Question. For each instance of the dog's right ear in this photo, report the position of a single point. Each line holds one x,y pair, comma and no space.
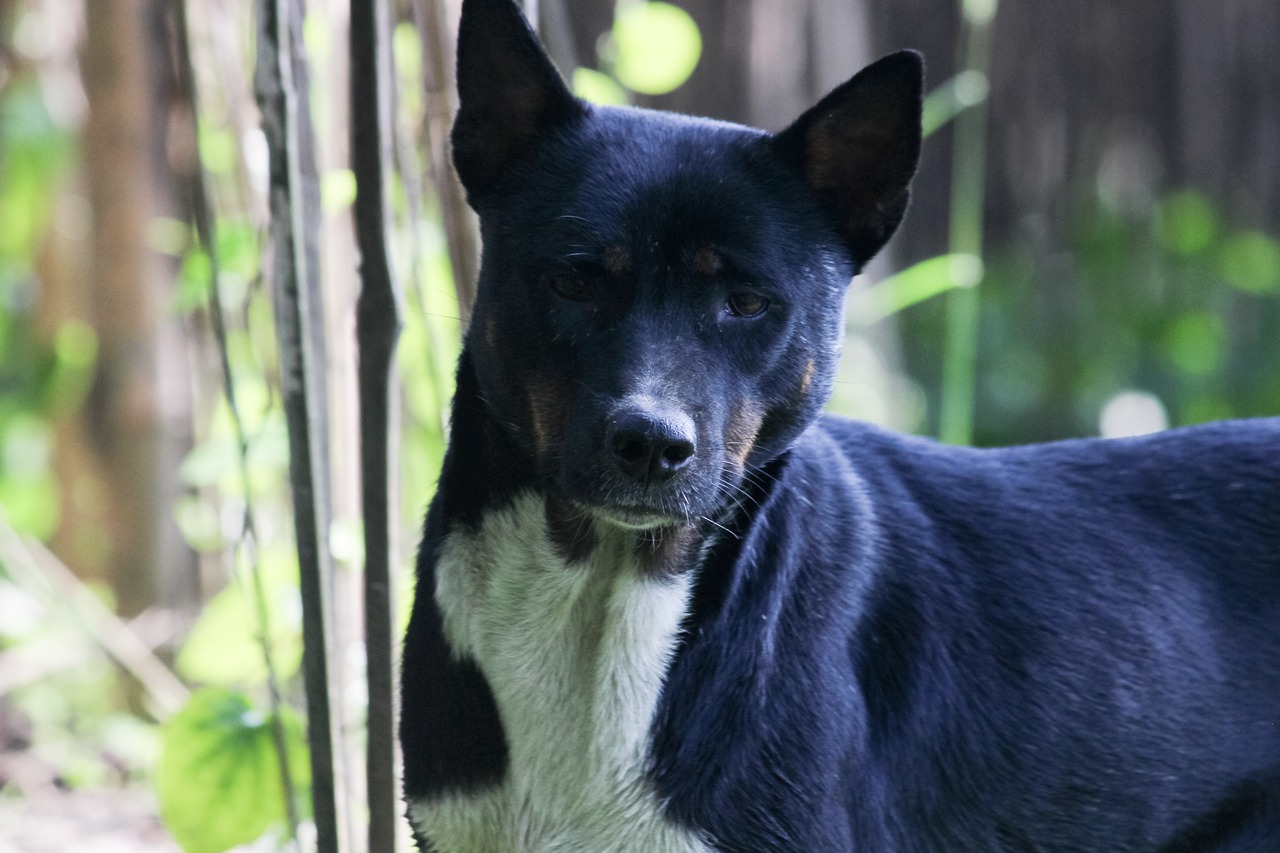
509,93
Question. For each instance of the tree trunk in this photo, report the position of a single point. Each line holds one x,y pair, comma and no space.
137,416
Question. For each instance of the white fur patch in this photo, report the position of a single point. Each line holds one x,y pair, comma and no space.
575,656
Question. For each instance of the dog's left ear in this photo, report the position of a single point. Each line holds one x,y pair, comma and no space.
858,149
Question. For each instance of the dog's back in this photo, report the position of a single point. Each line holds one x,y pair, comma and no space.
1073,646
665,606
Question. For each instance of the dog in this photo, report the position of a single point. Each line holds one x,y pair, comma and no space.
666,605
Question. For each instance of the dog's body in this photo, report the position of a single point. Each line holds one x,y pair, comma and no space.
664,605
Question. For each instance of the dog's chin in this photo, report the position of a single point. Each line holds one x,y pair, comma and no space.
614,502
636,514
635,519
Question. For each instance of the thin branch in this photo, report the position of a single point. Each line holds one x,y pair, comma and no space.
40,573
282,89
206,225
33,662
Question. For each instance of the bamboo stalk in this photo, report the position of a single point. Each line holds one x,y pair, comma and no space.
378,324
968,184
280,83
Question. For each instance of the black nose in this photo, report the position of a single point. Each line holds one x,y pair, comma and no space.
651,446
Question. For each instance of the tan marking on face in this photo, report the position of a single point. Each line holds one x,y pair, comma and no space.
741,431
708,262
616,261
807,379
548,408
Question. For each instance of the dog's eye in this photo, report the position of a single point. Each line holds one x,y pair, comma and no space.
746,304
572,285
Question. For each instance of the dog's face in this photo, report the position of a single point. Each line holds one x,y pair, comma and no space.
659,311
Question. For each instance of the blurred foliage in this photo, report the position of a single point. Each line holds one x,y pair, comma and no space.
37,376
654,46
915,284
224,647
651,49
236,800
60,683
1172,300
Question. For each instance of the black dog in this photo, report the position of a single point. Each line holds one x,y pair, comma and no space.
664,604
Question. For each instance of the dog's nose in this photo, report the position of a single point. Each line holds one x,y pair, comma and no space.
651,446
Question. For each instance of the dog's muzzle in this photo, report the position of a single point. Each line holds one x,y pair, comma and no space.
651,446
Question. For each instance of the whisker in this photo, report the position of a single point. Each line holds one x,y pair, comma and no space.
712,521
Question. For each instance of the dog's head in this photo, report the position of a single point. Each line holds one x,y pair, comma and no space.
660,302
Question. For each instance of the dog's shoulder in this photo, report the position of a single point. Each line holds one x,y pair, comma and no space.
948,577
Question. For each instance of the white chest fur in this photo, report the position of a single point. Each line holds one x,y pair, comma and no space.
575,656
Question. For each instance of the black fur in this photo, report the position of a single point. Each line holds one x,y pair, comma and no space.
892,645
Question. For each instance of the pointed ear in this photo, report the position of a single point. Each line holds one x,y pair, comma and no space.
858,149
509,93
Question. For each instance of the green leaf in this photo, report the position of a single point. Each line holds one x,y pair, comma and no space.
657,47
38,150
192,291
31,504
337,190
209,462
1251,261
406,53
75,349
915,284
28,490
1206,408
597,88
169,236
1186,223
198,522
1196,342
224,648
406,47
218,781
76,344
318,38
239,250
218,150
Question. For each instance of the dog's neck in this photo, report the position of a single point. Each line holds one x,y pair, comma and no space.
575,653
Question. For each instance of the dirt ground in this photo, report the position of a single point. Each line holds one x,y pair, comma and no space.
104,821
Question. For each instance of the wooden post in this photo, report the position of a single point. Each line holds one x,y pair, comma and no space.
377,329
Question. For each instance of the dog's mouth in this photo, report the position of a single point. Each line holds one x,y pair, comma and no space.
636,518
617,502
